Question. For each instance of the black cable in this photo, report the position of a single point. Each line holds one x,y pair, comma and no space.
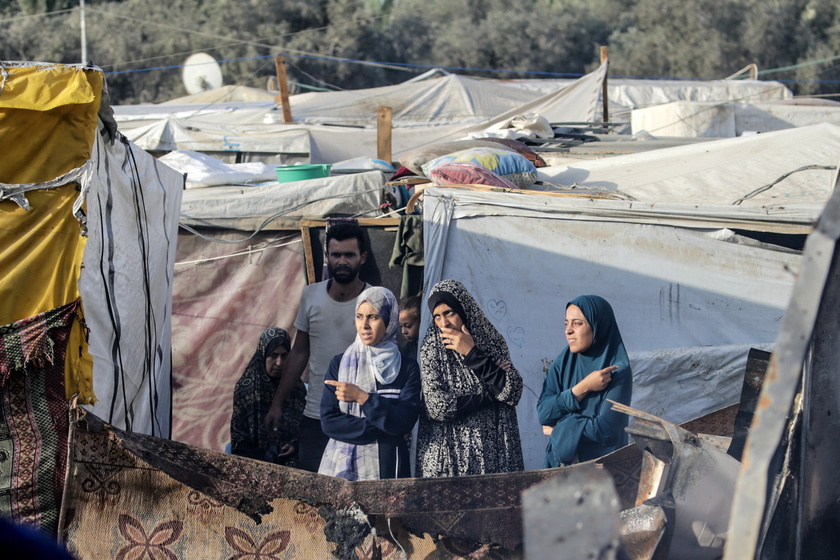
760,190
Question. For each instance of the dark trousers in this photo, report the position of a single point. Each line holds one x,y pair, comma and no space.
311,444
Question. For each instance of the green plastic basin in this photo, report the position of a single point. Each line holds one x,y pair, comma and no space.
289,173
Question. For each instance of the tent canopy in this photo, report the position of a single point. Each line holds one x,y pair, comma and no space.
690,299
786,176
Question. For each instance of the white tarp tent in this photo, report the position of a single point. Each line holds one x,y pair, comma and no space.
780,178
205,135
422,113
335,126
732,118
628,94
690,300
281,205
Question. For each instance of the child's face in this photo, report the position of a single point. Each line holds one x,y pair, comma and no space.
409,326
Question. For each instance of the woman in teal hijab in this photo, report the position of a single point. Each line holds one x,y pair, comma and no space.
572,407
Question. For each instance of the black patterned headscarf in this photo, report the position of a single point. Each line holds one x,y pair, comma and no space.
254,393
448,365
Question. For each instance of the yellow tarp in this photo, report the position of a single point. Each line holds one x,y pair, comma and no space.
40,145
44,88
48,119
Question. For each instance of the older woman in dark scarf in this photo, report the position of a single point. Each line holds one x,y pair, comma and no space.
470,391
593,368
252,398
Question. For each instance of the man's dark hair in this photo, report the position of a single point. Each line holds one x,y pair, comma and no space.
341,232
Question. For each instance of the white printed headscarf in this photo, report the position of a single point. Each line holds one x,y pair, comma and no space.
363,366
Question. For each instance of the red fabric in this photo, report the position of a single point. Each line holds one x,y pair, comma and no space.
466,173
403,172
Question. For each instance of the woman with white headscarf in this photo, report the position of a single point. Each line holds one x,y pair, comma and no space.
372,397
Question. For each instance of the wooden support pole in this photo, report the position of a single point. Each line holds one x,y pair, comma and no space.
605,58
383,134
283,84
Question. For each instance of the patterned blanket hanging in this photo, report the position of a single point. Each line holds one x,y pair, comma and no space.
33,417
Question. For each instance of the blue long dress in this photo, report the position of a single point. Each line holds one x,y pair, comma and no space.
590,428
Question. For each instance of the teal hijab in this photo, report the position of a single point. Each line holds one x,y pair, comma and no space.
607,347
589,428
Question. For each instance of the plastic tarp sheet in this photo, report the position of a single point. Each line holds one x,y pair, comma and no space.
445,100
422,113
206,171
224,296
627,94
697,119
44,87
216,133
132,204
453,98
689,301
48,120
734,174
282,205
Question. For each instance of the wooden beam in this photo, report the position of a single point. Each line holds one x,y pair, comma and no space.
383,134
605,58
283,84
308,258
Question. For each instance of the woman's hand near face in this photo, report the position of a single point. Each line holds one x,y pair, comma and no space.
596,381
287,450
459,340
347,392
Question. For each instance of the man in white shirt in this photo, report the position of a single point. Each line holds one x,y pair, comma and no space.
325,327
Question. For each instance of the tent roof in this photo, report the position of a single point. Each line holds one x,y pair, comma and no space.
788,174
445,99
225,94
281,205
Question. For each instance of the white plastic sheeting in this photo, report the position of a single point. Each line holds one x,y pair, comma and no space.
422,112
729,119
206,171
282,205
722,173
446,100
689,304
132,204
627,94
215,132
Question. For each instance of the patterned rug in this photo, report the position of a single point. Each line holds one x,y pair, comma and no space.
132,495
131,492
33,417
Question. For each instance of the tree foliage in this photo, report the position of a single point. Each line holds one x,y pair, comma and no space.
340,43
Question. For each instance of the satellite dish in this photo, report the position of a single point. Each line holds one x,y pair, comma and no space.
201,72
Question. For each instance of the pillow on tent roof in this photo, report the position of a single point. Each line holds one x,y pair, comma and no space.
467,173
519,148
510,165
418,157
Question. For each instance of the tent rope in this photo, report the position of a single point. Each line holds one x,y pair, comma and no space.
760,190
